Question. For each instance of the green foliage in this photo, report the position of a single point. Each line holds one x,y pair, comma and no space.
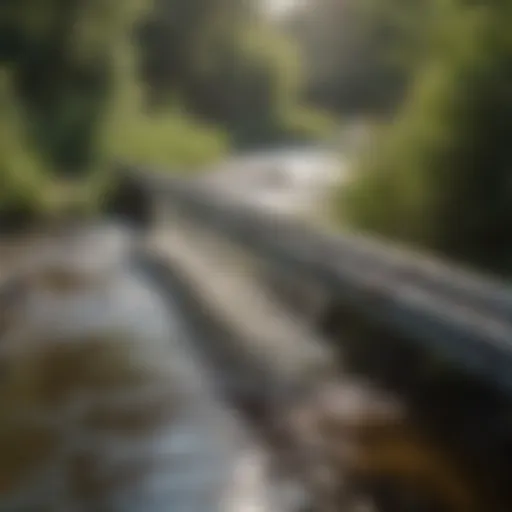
227,66
359,54
442,178
61,72
169,141
303,124
21,178
75,102
166,137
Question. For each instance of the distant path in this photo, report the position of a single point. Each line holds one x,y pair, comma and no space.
293,181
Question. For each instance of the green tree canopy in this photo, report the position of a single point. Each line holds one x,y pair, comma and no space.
226,63
442,177
359,54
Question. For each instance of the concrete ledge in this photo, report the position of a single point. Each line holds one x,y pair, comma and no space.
225,282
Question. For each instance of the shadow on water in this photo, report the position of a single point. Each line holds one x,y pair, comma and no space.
457,442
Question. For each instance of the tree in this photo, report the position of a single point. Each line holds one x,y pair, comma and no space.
60,53
442,178
21,178
227,65
359,53
72,65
